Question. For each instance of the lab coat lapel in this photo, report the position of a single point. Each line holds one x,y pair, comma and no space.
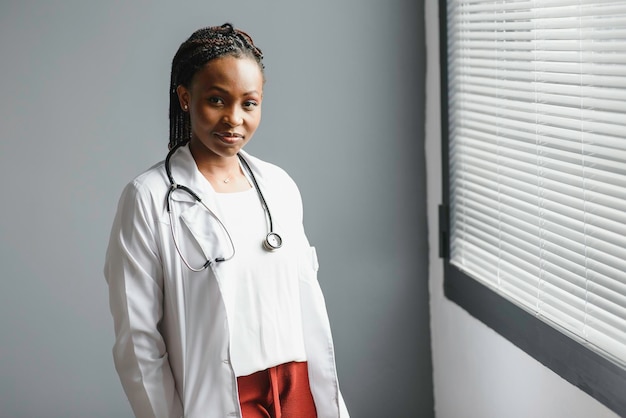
185,172
205,229
268,192
274,190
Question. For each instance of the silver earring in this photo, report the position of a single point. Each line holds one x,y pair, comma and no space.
186,108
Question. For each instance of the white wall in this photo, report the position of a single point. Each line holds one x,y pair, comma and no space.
477,373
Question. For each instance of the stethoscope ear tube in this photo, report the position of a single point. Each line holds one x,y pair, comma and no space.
168,167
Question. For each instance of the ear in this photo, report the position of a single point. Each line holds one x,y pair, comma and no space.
184,98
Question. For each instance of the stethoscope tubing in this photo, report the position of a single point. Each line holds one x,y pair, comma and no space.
272,241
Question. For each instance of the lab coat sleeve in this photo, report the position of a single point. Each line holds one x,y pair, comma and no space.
134,274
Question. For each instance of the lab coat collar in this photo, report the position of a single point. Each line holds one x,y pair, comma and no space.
185,172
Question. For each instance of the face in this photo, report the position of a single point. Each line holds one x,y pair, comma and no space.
224,104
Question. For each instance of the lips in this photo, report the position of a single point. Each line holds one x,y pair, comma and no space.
229,137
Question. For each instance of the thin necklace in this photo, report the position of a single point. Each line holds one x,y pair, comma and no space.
225,180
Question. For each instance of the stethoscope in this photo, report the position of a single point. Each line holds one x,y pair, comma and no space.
272,241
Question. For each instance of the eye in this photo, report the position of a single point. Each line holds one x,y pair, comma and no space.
214,100
250,104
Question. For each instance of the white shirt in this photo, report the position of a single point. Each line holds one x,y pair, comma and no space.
261,294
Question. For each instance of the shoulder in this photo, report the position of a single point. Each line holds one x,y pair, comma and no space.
279,189
151,178
148,187
269,173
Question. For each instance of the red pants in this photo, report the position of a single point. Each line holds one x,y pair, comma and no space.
278,392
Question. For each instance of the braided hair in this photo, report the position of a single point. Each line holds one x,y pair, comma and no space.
203,46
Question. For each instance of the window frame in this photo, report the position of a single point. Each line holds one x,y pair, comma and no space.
592,373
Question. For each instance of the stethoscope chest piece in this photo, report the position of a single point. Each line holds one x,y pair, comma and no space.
272,241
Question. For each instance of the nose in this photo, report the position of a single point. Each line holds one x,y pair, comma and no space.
232,116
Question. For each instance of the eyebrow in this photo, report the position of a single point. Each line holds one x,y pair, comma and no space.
225,91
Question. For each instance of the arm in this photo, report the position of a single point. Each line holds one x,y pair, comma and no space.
134,274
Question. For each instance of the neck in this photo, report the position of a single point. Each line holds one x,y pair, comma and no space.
223,172
212,163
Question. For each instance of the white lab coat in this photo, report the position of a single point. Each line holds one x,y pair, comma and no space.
171,346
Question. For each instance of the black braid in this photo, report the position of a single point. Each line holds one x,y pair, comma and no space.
201,47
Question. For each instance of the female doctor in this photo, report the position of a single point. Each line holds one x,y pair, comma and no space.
212,282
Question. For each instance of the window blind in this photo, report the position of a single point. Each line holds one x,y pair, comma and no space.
537,113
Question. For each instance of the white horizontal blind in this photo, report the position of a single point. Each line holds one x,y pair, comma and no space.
537,111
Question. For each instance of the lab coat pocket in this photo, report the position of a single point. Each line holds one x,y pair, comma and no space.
308,265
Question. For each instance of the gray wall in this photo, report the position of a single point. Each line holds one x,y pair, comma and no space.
83,102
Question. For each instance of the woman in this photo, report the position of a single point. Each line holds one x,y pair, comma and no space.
212,282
